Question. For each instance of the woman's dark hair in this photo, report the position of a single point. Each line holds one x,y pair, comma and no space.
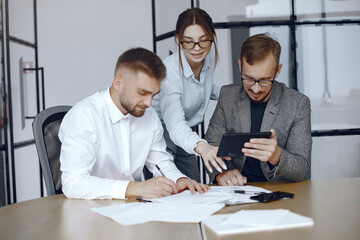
197,16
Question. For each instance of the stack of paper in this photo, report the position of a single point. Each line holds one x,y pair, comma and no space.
182,207
135,213
216,194
255,220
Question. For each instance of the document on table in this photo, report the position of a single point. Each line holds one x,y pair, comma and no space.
216,194
181,207
134,213
255,220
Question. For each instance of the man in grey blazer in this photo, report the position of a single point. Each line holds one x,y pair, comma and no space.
260,104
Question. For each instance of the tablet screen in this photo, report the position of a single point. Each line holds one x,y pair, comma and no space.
232,143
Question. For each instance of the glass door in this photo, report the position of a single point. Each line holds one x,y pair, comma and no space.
19,166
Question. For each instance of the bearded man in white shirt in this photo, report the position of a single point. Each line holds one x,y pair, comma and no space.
107,138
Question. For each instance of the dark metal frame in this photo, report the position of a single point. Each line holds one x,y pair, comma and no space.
292,23
6,147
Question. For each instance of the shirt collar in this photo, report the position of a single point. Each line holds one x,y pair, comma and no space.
114,113
187,69
208,60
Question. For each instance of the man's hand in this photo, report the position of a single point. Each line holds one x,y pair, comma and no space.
231,178
263,149
208,154
192,185
152,188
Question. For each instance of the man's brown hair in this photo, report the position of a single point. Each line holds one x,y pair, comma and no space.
257,47
142,60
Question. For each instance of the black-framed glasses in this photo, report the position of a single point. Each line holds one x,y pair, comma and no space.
190,44
263,83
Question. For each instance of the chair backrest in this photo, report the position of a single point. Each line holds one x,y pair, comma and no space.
45,128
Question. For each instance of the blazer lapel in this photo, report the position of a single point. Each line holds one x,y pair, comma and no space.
269,116
271,109
244,112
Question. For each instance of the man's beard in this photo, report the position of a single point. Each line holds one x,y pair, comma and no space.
130,109
262,100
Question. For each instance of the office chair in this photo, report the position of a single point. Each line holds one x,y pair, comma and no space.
45,129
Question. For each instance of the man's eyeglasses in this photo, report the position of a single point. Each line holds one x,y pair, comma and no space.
190,44
263,83
250,82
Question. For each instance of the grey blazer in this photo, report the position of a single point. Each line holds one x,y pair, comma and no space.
287,112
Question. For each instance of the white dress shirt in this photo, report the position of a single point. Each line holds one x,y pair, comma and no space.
103,150
183,100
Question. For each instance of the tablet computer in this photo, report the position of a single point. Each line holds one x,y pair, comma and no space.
232,143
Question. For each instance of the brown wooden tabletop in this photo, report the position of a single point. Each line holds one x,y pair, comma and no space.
333,204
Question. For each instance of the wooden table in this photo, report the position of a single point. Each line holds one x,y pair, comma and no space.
333,204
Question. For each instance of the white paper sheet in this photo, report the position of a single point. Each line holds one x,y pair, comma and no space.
182,207
134,213
216,194
223,224
256,217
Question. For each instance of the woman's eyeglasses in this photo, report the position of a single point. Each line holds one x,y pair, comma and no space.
190,44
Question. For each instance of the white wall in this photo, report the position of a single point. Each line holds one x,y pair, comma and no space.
80,41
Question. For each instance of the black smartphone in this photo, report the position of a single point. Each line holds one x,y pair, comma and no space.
269,197
232,143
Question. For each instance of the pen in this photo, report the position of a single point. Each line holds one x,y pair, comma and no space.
142,200
162,174
247,192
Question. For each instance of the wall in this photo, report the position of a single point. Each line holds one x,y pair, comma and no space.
80,41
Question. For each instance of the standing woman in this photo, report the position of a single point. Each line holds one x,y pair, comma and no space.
186,92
